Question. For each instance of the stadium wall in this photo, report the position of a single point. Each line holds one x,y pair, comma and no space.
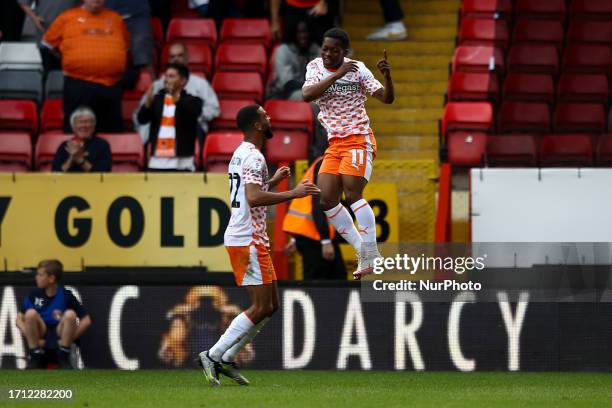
329,327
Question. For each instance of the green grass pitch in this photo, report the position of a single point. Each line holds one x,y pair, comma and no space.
186,388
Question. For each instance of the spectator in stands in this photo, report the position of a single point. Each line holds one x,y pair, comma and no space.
85,152
137,17
394,28
196,86
216,9
290,60
321,13
173,115
312,236
93,42
48,317
40,14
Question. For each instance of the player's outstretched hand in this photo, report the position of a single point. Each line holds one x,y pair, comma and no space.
383,65
282,173
306,188
346,67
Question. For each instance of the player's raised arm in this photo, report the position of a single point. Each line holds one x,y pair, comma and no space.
385,94
257,197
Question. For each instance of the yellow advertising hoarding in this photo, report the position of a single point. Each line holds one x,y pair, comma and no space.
114,219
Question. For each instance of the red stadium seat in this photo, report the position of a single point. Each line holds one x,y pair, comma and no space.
200,57
535,59
470,58
238,85
580,117
467,116
128,107
539,31
591,9
484,32
524,117
294,115
569,150
241,57
287,146
590,31
583,88
15,151
512,150
219,148
18,114
529,88
588,59
127,151
145,79
229,110
466,149
52,115
541,9
604,150
473,86
46,147
180,9
271,65
498,9
246,31
201,31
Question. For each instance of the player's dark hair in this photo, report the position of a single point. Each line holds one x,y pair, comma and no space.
52,267
246,117
339,35
182,70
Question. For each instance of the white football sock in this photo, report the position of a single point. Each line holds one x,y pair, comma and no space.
340,218
236,330
230,355
366,220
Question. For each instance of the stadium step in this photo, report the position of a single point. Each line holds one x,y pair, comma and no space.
374,20
359,32
403,48
404,114
418,101
406,128
403,61
406,143
416,75
406,155
410,7
419,89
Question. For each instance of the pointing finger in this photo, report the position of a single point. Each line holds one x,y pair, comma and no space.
385,54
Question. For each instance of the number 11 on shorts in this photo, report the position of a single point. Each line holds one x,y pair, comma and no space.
357,157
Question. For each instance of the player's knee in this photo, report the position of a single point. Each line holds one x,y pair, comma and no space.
352,196
273,308
31,315
327,203
69,315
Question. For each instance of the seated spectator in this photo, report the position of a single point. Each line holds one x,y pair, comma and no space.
196,86
137,17
93,42
40,14
48,318
85,152
173,115
290,61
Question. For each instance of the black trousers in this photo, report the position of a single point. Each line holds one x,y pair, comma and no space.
315,267
105,101
392,10
293,15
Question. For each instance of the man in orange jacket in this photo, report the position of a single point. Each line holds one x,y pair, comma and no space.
313,237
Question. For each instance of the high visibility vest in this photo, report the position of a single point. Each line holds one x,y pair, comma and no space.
299,218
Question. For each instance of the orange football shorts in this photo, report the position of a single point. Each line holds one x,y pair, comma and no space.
252,264
351,155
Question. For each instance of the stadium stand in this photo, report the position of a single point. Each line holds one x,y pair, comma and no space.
533,58
512,150
241,57
541,9
484,32
246,31
19,115
229,110
470,58
473,86
287,146
54,85
52,115
192,31
529,88
487,9
583,88
579,117
127,150
238,85
290,115
566,150
523,117
200,58
539,31
219,148
21,85
17,56
15,151
589,32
